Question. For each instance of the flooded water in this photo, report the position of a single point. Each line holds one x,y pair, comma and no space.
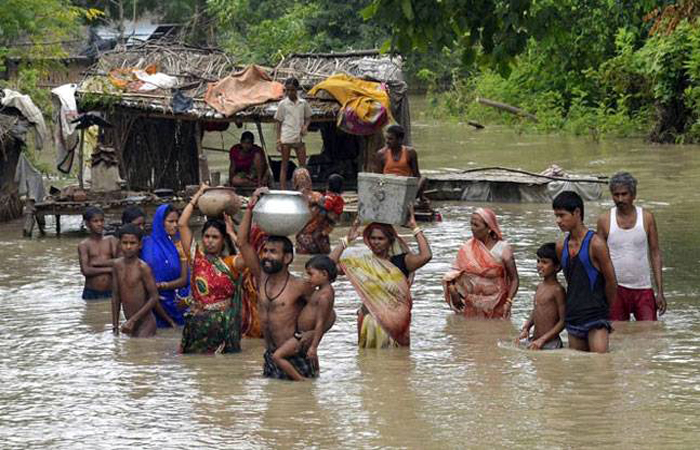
67,382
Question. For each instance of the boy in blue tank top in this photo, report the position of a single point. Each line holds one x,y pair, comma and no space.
590,277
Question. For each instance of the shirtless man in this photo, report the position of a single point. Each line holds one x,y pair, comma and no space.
591,285
631,234
281,295
96,255
550,304
315,319
397,159
134,288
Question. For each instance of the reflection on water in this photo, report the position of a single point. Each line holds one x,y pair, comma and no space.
66,381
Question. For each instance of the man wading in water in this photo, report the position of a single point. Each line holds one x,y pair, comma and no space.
631,234
281,295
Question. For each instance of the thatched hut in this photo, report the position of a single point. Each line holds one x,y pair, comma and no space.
10,148
161,148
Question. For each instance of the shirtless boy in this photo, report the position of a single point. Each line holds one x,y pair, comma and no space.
591,283
315,319
96,255
550,302
134,287
281,295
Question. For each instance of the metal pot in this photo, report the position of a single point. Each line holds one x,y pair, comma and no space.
217,200
282,213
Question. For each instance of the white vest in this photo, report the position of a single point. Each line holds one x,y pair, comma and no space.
629,251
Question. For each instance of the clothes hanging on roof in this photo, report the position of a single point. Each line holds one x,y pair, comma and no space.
30,111
154,81
252,86
366,105
28,179
66,138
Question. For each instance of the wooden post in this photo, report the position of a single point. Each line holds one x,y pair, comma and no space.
204,176
80,158
58,225
270,175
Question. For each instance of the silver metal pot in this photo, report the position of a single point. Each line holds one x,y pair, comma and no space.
282,213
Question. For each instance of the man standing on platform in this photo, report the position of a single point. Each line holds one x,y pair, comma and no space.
293,118
632,237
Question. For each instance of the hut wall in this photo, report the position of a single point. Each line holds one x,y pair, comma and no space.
10,205
154,153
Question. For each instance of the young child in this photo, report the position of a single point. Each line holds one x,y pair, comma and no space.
134,288
550,301
293,117
332,201
315,319
590,277
96,255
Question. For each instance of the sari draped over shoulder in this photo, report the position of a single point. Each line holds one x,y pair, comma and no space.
384,320
161,254
479,279
213,324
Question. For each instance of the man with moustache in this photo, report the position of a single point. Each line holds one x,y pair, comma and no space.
281,295
632,237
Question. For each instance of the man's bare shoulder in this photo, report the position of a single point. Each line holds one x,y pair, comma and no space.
649,218
144,267
598,243
89,241
119,263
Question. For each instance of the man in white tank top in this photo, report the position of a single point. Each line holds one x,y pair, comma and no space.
634,246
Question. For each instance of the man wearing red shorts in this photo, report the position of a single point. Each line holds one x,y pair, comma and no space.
633,240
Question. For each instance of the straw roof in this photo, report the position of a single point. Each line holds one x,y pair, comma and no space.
196,67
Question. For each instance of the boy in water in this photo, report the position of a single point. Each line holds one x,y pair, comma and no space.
550,302
134,287
591,284
315,319
96,255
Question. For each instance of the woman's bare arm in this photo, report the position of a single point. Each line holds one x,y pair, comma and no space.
184,221
415,261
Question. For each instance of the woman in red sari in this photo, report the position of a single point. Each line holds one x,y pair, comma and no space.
382,278
213,324
484,279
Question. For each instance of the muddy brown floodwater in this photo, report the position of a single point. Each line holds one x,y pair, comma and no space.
66,382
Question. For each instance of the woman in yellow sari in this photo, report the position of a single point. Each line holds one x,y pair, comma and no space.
382,277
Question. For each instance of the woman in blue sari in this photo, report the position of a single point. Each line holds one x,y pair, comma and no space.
169,265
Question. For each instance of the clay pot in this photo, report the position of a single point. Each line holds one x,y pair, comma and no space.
282,213
217,200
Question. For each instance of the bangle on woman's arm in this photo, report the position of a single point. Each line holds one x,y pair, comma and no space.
345,242
417,230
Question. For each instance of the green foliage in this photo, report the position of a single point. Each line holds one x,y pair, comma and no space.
596,72
265,31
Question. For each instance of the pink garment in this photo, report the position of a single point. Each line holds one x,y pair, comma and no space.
490,218
236,92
